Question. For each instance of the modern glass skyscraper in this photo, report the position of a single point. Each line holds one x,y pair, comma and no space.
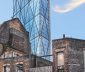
34,15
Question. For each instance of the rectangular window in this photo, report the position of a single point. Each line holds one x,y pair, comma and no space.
6,68
60,58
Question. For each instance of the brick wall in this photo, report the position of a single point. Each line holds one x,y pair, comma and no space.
41,69
73,54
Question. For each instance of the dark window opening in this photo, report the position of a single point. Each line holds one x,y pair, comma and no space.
6,69
20,68
60,70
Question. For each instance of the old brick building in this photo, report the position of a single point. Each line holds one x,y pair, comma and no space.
15,50
16,56
14,47
68,55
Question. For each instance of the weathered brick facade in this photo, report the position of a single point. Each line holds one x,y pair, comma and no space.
14,46
73,54
15,50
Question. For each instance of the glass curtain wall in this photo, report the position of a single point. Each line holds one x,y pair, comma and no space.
34,15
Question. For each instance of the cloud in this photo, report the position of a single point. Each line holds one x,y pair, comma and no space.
69,7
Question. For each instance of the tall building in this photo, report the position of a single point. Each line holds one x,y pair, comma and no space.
34,15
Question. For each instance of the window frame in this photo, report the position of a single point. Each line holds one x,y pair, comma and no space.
63,59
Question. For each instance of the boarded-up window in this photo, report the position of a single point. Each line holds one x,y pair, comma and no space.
60,58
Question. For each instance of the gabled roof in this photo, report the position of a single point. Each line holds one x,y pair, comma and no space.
13,33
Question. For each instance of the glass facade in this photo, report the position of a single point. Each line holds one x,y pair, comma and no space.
34,15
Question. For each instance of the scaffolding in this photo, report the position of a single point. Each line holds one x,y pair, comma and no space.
34,15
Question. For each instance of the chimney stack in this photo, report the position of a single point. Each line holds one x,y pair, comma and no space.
63,35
